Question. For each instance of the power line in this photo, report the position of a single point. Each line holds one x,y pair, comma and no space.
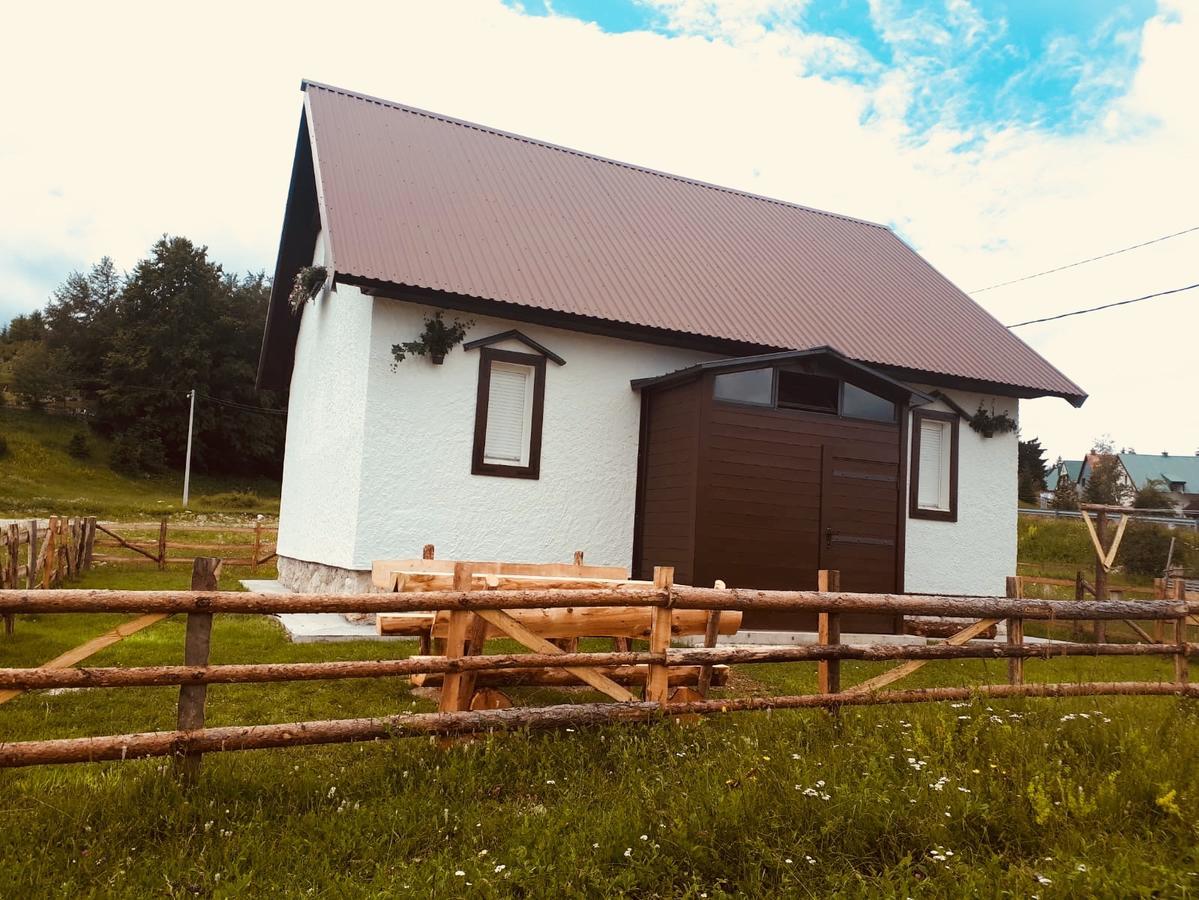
1079,312
1084,261
244,407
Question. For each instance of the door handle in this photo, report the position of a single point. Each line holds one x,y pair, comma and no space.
828,538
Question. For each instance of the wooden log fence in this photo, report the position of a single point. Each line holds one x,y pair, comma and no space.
157,542
36,557
193,738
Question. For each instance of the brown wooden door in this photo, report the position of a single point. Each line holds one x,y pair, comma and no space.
859,523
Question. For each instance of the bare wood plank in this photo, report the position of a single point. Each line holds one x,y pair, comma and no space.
657,685
591,676
968,633
381,570
92,647
455,643
1110,559
565,623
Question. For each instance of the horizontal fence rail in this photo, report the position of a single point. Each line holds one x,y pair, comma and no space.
81,600
261,673
336,731
476,608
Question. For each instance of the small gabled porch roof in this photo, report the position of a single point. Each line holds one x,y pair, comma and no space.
863,375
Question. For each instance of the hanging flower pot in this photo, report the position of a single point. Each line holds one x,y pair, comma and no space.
305,286
435,341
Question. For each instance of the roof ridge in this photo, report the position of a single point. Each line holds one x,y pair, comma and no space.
441,117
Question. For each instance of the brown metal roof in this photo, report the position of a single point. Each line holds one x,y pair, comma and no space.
422,200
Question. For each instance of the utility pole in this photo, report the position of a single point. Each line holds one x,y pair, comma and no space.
187,466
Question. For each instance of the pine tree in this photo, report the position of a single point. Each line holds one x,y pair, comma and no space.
1105,484
1031,470
1065,495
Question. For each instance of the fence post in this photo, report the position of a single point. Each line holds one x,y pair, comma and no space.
1182,671
31,564
49,553
828,671
1100,625
162,543
12,542
1015,634
455,643
711,637
89,541
1159,625
657,680
197,642
428,551
68,543
257,546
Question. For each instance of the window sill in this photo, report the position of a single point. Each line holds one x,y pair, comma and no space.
500,471
935,515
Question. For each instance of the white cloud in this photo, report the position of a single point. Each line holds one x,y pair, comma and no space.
140,120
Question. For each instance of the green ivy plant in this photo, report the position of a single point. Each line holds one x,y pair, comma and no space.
435,341
989,424
306,285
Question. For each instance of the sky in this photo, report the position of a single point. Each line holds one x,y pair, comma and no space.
998,137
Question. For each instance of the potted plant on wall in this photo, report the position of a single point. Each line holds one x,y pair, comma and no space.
989,424
306,285
437,339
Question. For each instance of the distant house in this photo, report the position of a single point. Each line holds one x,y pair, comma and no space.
1177,475
656,370
1066,469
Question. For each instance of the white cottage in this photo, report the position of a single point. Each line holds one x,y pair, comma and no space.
655,370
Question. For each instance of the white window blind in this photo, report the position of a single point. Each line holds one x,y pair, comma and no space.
934,465
509,412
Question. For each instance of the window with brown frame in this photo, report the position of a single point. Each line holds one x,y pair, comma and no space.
508,413
934,491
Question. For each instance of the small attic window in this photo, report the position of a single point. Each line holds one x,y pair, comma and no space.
754,386
802,390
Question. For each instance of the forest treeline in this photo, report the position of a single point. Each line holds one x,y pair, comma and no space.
128,347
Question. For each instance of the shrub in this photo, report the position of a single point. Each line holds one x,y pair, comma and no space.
1054,541
136,454
78,446
233,500
3,447
1145,548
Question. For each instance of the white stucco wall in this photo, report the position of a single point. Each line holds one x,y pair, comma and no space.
975,554
417,486
378,461
322,465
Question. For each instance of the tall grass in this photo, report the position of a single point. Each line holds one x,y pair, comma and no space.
1078,797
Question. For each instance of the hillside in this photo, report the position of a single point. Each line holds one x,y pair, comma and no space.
38,475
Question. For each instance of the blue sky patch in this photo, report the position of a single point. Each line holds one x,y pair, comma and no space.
974,65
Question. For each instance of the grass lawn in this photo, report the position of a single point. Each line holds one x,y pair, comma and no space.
39,477
1020,798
